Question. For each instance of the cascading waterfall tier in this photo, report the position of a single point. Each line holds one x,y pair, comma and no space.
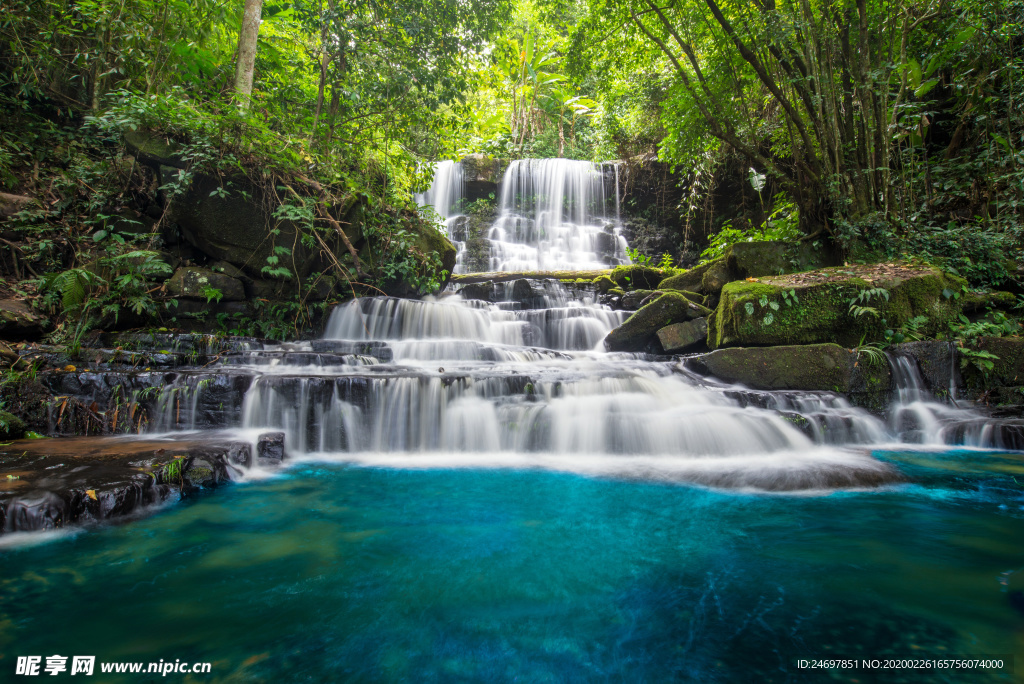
553,214
449,382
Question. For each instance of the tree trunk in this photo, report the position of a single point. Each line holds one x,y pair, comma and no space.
247,52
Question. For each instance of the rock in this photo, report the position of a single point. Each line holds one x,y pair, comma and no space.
481,176
154,149
605,245
679,337
11,427
235,228
481,291
193,282
691,280
637,277
978,302
756,259
757,313
715,277
631,301
812,367
270,448
51,483
12,204
640,329
749,260
936,360
460,228
1008,368
603,284
19,322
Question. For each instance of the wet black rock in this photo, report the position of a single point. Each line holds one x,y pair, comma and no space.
53,483
270,448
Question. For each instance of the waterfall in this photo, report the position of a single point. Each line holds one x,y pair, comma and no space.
445,193
554,216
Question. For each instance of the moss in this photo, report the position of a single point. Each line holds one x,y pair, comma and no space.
11,427
686,280
806,367
638,331
603,284
821,312
637,277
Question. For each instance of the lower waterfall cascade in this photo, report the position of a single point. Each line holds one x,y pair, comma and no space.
449,382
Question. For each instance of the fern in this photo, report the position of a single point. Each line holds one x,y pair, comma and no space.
73,285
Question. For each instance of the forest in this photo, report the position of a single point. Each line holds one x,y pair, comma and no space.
884,129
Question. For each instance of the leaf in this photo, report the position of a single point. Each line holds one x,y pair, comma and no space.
763,301
91,493
749,306
926,87
769,318
774,305
99,235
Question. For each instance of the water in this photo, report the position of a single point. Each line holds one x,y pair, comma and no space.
477,493
338,573
553,214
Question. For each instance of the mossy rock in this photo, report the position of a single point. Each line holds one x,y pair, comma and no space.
603,284
637,333
1008,370
11,427
981,301
688,281
637,277
755,312
757,259
680,337
815,367
749,260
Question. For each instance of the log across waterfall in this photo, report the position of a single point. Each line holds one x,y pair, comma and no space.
553,214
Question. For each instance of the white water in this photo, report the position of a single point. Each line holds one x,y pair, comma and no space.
553,214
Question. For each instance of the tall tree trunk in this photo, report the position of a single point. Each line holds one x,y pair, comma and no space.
247,52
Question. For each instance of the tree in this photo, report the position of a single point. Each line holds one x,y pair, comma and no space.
246,64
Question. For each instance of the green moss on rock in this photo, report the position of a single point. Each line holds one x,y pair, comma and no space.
603,284
11,427
639,330
637,277
757,313
815,367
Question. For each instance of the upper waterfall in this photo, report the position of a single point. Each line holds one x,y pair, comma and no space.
553,214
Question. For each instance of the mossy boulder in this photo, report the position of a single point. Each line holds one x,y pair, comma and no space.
1008,368
11,427
756,259
689,281
603,284
637,277
639,331
749,260
680,337
816,367
814,307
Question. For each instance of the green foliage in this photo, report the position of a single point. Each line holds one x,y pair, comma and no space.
769,307
780,226
858,304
